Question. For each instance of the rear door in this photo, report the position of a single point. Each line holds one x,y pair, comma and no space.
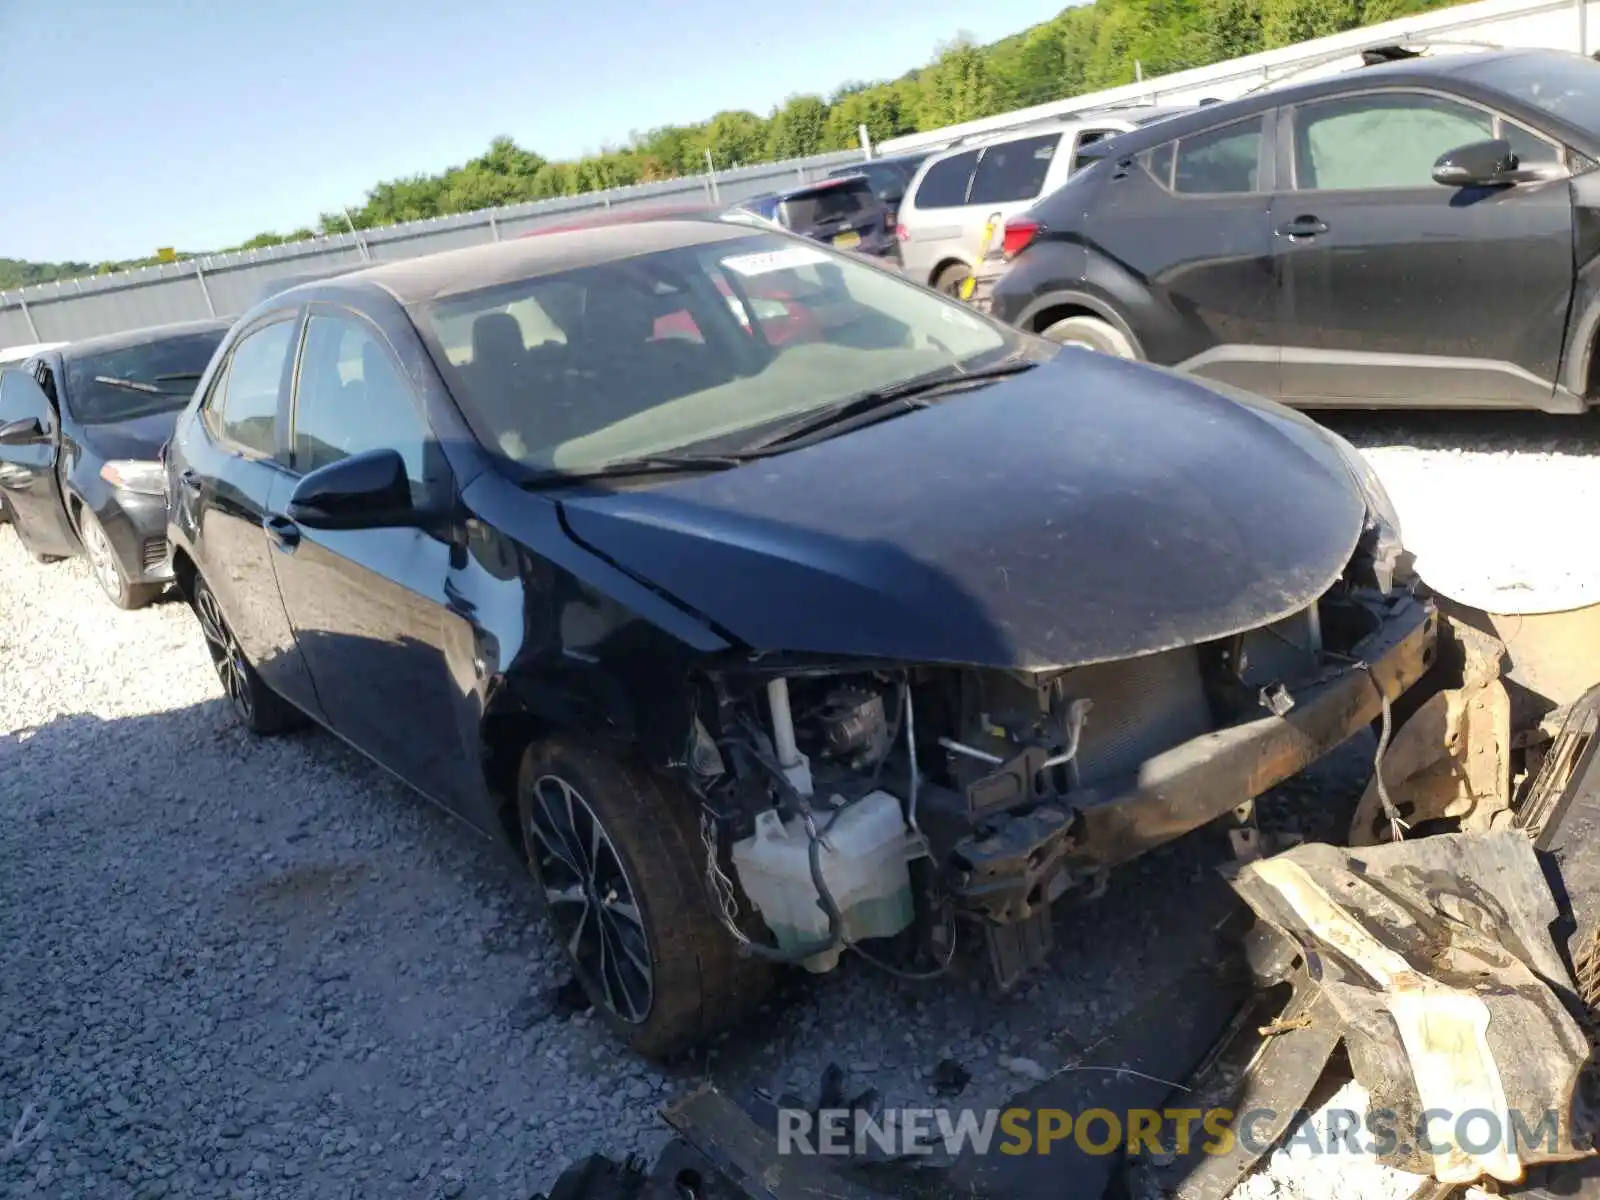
228,478
1397,289
932,215
1009,177
28,479
1184,246
369,607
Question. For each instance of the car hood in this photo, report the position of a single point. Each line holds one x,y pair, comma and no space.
1084,511
138,437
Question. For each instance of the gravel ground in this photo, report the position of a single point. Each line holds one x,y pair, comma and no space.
234,967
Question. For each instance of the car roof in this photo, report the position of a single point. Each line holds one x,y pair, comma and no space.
454,272
1420,69
140,337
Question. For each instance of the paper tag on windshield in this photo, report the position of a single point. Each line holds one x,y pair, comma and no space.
774,260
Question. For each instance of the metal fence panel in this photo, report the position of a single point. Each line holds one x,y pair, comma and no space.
231,283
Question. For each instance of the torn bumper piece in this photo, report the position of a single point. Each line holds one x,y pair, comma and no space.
1014,864
1435,955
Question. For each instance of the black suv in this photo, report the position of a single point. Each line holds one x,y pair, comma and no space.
888,177
844,212
1421,232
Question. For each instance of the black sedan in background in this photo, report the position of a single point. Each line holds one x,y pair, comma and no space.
81,428
761,597
1418,232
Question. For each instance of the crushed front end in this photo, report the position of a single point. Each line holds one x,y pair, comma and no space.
895,808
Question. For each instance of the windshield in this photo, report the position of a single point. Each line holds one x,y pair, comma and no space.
693,345
1566,86
136,381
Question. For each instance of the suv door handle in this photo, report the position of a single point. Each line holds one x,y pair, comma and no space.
285,534
1300,227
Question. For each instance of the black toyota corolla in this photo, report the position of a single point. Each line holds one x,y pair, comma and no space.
770,605
81,427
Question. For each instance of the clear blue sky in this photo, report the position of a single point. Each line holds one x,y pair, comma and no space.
144,123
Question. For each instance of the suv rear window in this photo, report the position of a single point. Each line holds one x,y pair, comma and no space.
945,184
832,203
1010,171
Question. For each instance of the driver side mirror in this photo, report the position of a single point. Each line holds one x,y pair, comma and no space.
1480,164
365,491
26,432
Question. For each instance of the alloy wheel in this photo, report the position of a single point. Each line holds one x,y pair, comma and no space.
102,559
226,656
592,901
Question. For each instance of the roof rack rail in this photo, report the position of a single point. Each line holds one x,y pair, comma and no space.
1375,54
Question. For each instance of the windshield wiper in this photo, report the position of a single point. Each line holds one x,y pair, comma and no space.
882,403
148,389
648,464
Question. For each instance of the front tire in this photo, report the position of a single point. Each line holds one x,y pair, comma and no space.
618,856
107,570
258,707
1091,333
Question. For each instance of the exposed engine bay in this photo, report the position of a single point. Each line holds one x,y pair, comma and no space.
891,808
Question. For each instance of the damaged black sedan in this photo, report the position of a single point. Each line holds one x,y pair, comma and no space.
771,605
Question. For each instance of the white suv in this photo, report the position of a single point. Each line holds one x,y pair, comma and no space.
956,193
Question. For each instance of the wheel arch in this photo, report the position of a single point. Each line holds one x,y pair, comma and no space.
944,264
1059,305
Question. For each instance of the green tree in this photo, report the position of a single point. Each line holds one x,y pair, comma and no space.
736,137
798,128
1285,22
957,87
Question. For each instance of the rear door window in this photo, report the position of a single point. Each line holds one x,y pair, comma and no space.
1013,171
244,403
945,184
1219,161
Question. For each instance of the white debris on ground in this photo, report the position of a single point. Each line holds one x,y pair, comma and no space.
261,970
1308,1167
1493,504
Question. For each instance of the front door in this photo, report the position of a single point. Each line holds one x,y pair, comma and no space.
1397,289
369,606
227,481
28,479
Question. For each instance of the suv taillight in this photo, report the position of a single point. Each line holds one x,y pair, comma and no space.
1019,233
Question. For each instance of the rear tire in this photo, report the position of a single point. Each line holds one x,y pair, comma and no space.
1091,333
107,570
950,279
618,856
259,709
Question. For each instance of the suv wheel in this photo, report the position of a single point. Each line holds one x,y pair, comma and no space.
1091,333
618,856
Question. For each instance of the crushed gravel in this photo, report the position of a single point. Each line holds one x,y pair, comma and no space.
251,968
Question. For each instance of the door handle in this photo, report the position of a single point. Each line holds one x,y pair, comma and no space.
285,534
1302,227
